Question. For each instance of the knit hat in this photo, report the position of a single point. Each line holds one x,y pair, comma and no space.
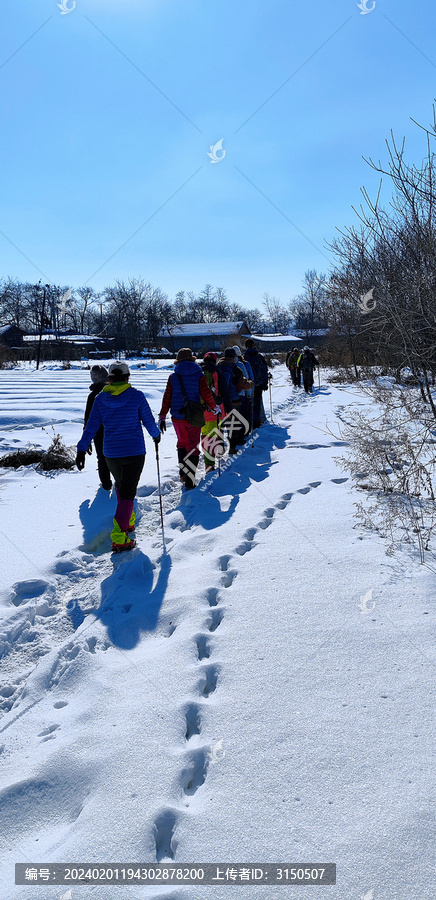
99,374
237,350
119,368
230,352
211,355
185,354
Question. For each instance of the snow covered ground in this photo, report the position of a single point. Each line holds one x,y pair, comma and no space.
261,693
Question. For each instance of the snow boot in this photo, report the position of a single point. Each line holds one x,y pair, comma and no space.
181,453
190,475
127,545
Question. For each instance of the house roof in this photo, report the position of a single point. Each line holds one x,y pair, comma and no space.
201,329
69,338
5,328
276,338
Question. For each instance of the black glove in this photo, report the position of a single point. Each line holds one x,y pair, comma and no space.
162,425
157,440
89,450
80,459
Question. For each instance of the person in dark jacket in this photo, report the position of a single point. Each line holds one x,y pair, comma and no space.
99,377
121,410
306,365
211,437
292,364
237,426
260,373
189,378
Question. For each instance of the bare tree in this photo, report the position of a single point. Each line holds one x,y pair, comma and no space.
308,309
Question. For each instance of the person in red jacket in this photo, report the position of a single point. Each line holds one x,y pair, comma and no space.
187,381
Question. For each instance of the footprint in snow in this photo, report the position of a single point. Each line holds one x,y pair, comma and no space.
212,596
192,720
164,828
47,733
216,619
245,547
203,647
194,774
229,577
208,681
265,523
223,563
28,590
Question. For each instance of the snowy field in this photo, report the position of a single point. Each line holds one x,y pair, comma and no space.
261,693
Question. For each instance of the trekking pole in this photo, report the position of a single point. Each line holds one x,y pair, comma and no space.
219,444
319,380
160,497
270,398
252,420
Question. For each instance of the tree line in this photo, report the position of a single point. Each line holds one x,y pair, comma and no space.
135,311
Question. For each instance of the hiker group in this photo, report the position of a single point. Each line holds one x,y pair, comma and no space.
213,406
302,364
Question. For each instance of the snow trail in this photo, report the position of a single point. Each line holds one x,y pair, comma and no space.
231,700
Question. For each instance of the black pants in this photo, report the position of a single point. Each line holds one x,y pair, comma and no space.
308,380
233,427
295,375
102,466
257,403
126,472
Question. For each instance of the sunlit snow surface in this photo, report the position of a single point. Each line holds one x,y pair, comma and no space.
261,693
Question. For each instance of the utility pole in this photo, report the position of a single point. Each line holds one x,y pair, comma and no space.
38,355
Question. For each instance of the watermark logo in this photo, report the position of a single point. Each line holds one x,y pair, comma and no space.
366,302
364,8
215,149
64,299
64,8
364,606
67,896
218,441
217,752
368,896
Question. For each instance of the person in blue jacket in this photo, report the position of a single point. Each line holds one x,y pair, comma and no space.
122,410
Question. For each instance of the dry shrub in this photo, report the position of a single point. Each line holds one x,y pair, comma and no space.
56,457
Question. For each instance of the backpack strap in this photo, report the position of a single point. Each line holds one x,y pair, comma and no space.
182,387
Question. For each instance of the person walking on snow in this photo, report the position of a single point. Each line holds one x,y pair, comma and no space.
187,383
121,410
99,377
260,371
237,384
211,437
246,396
306,364
292,364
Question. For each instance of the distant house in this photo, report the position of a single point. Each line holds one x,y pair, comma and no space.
84,343
317,337
275,343
11,336
203,336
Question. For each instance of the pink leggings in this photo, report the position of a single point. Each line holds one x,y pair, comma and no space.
188,436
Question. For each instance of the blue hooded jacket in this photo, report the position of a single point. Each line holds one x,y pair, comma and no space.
121,414
190,373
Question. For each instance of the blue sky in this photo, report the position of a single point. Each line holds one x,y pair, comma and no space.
108,113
